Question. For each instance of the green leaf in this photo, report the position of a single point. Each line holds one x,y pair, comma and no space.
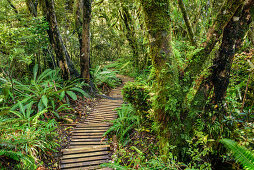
37,115
45,73
241,154
44,100
21,108
35,70
80,91
72,95
14,107
40,106
62,95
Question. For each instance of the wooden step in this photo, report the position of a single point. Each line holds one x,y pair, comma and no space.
87,143
85,159
89,140
101,124
83,164
85,149
97,167
89,130
87,137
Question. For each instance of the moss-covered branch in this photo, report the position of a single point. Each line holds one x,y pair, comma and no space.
187,22
199,59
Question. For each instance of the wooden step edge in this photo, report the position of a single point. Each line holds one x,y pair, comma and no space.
71,124
85,148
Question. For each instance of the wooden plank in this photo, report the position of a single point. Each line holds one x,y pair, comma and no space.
89,168
100,157
83,143
85,149
72,124
94,121
83,155
87,137
89,131
109,104
104,114
79,146
89,140
87,134
102,124
100,115
106,108
98,128
83,164
98,119
95,118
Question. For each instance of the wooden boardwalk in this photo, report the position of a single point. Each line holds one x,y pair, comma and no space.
88,149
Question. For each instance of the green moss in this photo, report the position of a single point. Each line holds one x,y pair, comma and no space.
138,95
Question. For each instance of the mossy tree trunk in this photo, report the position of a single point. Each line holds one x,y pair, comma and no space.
170,89
62,55
233,36
199,59
218,78
32,7
130,34
157,21
187,22
85,48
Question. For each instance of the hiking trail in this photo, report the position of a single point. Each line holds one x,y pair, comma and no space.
88,148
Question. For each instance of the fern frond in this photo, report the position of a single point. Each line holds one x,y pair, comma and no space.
11,154
242,155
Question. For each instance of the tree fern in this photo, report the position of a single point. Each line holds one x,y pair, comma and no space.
241,154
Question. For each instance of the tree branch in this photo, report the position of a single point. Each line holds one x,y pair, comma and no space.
187,22
198,60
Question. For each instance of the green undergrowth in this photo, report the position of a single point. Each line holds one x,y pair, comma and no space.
29,116
105,79
31,109
143,144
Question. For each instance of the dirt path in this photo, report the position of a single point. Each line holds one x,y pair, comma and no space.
88,149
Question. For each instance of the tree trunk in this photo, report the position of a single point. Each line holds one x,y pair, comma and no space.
233,36
157,20
130,34
62,55
78,21
199,59
251,34
218,78
32,7
187,22
85,49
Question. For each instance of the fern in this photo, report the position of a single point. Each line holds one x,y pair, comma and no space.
242,155
28,162
11,154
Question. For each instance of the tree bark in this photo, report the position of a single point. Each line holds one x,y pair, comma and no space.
32,7
251,34
187,22
157,20
85,49
200,58
62,55
233,36
219,76
130,34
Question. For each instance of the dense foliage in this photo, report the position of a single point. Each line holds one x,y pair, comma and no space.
193,65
